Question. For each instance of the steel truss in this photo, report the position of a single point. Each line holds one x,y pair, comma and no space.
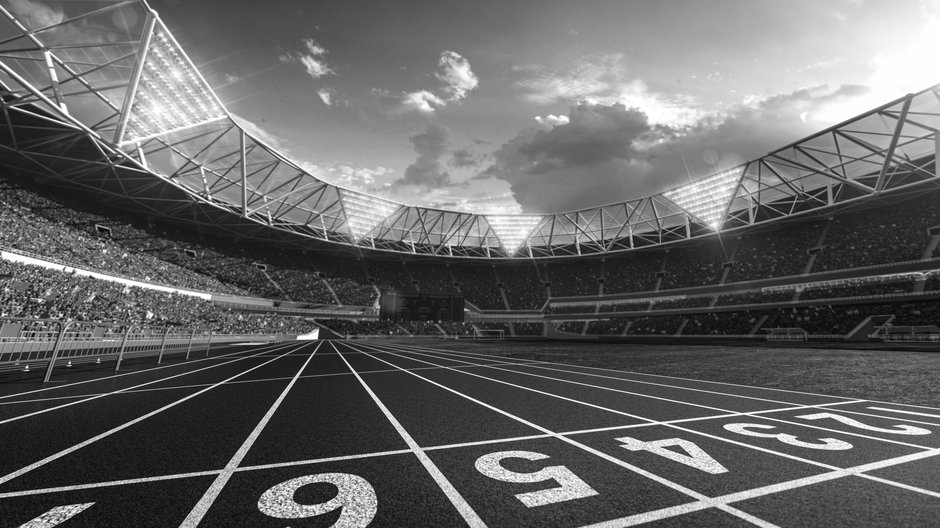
106,100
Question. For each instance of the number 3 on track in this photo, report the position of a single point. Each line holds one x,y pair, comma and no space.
571,487
355,496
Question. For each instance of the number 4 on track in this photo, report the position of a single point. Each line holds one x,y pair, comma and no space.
693,456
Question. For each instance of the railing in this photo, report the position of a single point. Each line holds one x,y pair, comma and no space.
27,344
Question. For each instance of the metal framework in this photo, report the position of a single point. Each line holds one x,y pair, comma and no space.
106,100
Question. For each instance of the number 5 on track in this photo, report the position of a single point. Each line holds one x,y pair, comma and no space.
694,455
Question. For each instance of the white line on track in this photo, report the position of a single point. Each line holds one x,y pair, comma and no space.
132,373
675,511
10,476
451,355
465,510
202,507
692,431
119,391
681,402
905,412
635,469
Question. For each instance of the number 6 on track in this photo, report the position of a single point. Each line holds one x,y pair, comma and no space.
571,487
694,456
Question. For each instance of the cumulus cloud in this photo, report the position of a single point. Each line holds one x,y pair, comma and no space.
357,178
552,119
603,79
326,95
464,158
606,153
457,80
454,71
312,58
428,171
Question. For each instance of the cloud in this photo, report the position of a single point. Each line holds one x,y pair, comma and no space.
357,178
312,59
464,158
455,73
457,78
552,120
326,95
603,79
428,171
422,101
607,153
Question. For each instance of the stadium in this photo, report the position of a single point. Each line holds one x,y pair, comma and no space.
196,330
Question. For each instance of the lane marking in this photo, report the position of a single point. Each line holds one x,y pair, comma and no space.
57,515
102,395
10,476
609,389
467,512
113,376
640,471
905,412
202,507
675,511
664,376
692,431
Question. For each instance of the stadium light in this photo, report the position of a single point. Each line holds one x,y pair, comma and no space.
170,95
706,199
513,230
364,212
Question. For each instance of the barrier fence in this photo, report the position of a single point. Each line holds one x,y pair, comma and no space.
27,344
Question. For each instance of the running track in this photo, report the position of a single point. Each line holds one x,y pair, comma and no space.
373,433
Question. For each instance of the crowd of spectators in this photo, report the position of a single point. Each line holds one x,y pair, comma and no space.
349,327
478,284
524,289
37,292
632,272
432,278
896,233
571,279
755,297
687,302
662,325
571,327
858,290
529,329
779,253
694,266
607,326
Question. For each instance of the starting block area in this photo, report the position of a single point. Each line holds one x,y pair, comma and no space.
373,433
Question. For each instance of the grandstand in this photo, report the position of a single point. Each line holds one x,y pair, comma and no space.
138,216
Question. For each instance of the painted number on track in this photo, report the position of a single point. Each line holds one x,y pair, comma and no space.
900,429
355,496
826,444
570,486
694,456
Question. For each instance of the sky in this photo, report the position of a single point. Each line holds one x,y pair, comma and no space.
543,106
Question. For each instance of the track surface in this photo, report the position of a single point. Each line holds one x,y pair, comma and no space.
370,433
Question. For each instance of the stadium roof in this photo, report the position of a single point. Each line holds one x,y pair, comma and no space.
107,100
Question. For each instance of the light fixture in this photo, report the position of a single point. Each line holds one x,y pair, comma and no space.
513,230
364,212
707,199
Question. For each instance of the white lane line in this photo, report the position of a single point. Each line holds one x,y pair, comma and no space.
675,511
114,376
465,510
202,507
10,476
692,431
905,412
108,484
609,389
57,515
449,356
635,469
119,391
629,372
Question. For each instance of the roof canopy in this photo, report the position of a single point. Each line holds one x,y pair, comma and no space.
111,75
